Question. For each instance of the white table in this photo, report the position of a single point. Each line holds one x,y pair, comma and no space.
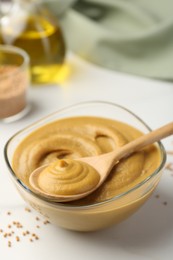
148,234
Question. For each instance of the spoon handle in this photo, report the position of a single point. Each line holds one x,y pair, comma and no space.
145,140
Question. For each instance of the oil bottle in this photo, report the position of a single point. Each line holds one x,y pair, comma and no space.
30,25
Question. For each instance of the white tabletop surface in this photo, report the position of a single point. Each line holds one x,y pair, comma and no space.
148,234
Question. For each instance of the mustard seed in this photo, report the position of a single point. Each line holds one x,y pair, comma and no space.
9,243
46,222
17,238
28,209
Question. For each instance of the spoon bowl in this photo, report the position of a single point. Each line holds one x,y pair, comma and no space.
103,164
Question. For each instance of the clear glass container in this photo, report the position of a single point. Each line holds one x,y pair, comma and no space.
31,26
14,83
97,215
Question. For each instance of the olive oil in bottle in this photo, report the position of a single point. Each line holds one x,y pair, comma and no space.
32,27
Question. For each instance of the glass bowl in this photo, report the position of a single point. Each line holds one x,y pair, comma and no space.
98,215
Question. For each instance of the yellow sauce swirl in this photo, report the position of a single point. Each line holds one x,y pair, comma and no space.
67,177
76,137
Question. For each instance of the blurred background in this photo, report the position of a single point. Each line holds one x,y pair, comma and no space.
133,36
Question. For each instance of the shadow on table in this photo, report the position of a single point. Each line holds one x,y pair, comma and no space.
147,228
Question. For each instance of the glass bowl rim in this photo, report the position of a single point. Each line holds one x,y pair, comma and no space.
19,51
97,204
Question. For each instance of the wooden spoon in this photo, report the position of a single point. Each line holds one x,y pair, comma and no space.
104,163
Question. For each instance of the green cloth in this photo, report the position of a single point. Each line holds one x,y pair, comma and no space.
132,36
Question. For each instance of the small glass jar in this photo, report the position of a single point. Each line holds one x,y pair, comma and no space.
14,83
31,26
